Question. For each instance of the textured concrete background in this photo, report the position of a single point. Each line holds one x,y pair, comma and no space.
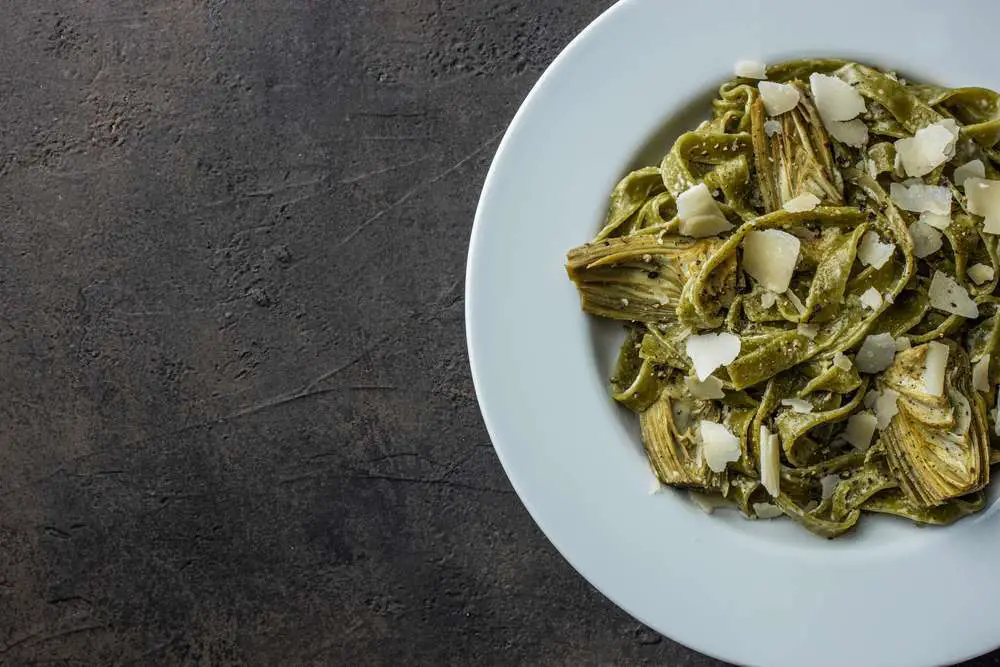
236,419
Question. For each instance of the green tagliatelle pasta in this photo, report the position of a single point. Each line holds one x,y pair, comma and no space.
807,281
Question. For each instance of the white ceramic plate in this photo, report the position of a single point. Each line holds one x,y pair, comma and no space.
758,592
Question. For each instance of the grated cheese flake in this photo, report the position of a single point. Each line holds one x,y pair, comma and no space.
798,405
926,239
750,69
711,351
935,220
707,502
772,127
829,484
842,361
770,256
948,296
770,461
860,429
971,169
885,407
980,273
767,511
835,99
778,98
871,299
981,375
919,198
984,200
876,353
854,133
794,299
710,389
810,331
872,252
768,299
935,364
718,445
700,215
902,343
928,148
804,202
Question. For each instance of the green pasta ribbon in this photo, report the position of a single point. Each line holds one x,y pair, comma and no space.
861,380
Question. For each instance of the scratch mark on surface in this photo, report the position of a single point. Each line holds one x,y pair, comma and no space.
379,172
416,189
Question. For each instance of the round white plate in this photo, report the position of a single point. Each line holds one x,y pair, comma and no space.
754,592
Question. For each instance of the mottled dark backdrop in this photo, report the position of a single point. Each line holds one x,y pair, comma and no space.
236,419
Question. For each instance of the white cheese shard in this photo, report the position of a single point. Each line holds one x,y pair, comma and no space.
767,511
872,252
854,133
948,296
711,351
981,375
718,445
656,486
843,362
770,462
750,69
980,273
919,198
926,239
835,99
935,220
860,429
798,405
871,299
885,407
828,483
972,169
768,299
810,331
796,301
876,353
902,343
935,365
710,389
778,98
770,257
928,148
700,215
804,202
772,127
707,502
984,200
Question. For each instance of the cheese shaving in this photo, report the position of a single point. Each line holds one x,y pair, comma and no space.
935,365
710,389
902,343
767,511
871,299
972,169
926,239
948,296
860,429
928,148
778,98
699,214
768,299
772,127
835,99
854,133
711,351
981,375
794,299
843,362
872,252
980,273
885,407
718,445
919,198
798,405
804,202
707,502
935,220
876,353
828,483
984,200
770,256
810,331
770,462
750,69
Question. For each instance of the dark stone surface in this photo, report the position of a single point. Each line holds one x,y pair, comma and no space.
236,419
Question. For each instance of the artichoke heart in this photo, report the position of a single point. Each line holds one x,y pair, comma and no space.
937,446
640,278
672,447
